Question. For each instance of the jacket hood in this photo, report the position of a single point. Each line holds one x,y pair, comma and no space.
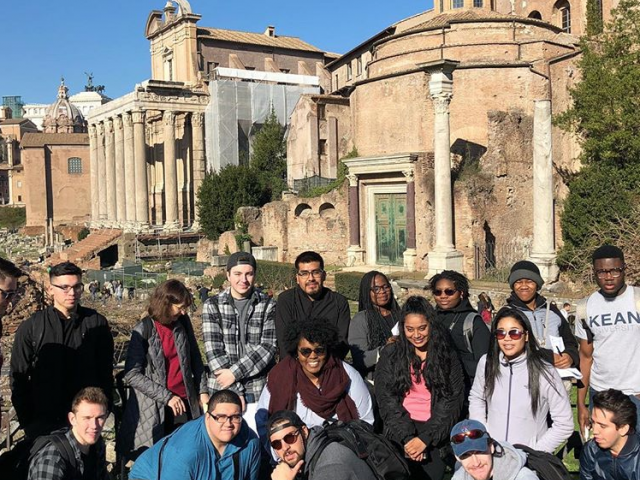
313,445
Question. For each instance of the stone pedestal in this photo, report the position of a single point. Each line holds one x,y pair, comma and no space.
409,259
355,255
439,261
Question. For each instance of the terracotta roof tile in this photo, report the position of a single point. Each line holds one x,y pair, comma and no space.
293,43
478,14
42,139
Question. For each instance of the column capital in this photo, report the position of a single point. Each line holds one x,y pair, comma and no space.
138,116
169,117
126,120
197,119
93,131
101,129
108,126
117,123
353,179
409,175
441,102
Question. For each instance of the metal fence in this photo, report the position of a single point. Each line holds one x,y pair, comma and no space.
493,261
308,183
132,276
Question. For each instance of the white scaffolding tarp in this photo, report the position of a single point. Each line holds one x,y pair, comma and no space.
236,108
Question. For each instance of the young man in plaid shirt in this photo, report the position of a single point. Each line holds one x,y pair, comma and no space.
240,335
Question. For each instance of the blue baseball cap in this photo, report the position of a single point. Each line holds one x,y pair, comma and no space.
469,436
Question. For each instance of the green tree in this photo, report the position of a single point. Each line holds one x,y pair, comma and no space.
269,156
221,194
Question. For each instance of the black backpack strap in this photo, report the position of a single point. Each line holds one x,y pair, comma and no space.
236,465
61,442
467,330
37,335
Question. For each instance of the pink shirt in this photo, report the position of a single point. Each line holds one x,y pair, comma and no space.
418,401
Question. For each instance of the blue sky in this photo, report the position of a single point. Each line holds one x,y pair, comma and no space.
46,39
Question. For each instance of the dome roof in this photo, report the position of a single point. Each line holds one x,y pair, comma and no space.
62,116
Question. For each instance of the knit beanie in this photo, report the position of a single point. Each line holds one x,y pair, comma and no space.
525,269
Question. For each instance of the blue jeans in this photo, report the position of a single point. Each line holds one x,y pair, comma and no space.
634,399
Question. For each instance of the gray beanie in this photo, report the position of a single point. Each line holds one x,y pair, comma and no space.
525,269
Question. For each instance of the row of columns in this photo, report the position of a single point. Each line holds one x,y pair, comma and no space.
119,173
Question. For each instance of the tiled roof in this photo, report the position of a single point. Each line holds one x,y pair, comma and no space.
42,139
293,43
14,121
478,14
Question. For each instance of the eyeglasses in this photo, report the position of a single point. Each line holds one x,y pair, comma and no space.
8,294
381,288
514,334
614,272
289,438
474,434
222,419
447,291
319,351
306,273
78,287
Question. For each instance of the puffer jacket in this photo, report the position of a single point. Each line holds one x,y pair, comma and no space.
508,464
508,415
599,464
145,372
445,411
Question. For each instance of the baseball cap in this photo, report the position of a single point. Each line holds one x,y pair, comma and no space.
285,418
241,258
469,436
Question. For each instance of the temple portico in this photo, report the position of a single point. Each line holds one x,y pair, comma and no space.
147,158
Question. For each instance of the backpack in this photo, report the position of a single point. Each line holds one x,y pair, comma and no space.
545,465
467,329
382,457
581,311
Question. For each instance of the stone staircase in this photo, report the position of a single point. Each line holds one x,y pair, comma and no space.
85,252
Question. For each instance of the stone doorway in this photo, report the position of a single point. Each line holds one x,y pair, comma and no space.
391,227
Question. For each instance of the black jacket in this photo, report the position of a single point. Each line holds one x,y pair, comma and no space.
479,340
398,426
294,306
599,464
570,342
47,371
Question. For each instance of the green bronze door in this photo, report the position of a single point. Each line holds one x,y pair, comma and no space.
391,228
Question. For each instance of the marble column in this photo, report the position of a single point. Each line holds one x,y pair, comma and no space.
170,173
140,160
355,252
410,253
543,252
129,173
93,166
119,169
102,176
444,255
199,165
110,155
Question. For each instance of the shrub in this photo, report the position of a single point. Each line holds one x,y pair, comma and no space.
218,281
348,284
13,217
84,233
275,275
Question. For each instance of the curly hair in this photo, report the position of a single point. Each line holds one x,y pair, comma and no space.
435,370
313,330
377,331
537,366
459,280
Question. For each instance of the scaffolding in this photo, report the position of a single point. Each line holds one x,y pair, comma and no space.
238,108
15,103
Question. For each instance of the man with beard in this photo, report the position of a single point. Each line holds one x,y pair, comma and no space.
608,329
311,299
9,275
295,445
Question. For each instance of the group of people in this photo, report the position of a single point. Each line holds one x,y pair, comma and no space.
436,381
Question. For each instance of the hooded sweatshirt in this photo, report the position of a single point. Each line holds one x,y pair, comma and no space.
508,466
336,462
508,415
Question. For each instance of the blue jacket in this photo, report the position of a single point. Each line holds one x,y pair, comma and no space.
190,455
599,464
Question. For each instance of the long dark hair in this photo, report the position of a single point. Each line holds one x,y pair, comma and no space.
440,353
377,330
537,366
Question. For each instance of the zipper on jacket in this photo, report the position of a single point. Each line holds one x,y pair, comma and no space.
506,437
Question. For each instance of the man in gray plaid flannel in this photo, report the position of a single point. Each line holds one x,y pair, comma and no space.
76,452
240,335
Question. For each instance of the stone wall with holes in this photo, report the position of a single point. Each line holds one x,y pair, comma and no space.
297,224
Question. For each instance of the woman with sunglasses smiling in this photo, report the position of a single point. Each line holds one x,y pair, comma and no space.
370,328
419,388
451,293
164,369
515,388
313,382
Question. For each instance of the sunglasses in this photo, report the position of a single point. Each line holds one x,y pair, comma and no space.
447,291
471,434
514,334
289,439
319,351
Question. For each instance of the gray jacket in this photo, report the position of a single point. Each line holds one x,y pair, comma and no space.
508,466
145,372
